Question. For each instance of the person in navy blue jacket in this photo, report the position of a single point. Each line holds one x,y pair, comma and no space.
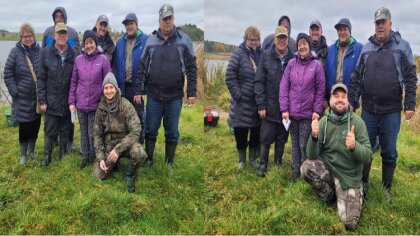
341,58
126,61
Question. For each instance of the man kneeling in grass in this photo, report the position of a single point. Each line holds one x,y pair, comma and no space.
116,133
337,150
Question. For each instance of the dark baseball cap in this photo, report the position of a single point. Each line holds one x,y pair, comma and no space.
130,17
382,13
343,22
316,23
339,86
165,11
102,18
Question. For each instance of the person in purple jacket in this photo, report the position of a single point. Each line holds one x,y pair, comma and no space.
302,90
89,71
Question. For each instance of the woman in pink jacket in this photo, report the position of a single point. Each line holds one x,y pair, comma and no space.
302,90
89,71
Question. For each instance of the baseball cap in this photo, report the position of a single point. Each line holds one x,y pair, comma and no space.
103,18
382,13
130,17
337,86
343,22
165,11
315,22
60,26
281,30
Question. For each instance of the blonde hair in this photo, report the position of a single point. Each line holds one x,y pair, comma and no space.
26,28
252,31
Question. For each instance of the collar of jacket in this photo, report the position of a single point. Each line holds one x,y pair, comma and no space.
345,118
103,105
392,36
307,59
352,41
174,34
106,37
138,32
91,56
288,54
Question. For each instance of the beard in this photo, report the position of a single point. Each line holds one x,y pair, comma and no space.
338,111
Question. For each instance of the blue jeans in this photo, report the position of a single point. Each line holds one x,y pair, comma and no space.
170,111
387,127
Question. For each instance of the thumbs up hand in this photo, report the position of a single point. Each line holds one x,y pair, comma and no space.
351,139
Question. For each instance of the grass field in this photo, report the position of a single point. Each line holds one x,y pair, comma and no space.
62,199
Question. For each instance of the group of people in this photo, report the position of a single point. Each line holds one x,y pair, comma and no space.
312,90
106,84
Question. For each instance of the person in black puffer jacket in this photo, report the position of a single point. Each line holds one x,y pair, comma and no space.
54,76
21,85
243,115
267,82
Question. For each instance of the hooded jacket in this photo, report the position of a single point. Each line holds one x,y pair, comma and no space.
302,88
73,37
19,81
86,81
269,40
240,77
382,74
330,145
117,126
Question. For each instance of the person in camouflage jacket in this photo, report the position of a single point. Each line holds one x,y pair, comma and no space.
116,133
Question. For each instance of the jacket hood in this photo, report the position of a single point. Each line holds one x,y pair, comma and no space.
62,11
290,23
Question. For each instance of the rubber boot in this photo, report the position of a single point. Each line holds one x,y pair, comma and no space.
31,148
252,155
63,148
150,149
278,153
365,180
48,146
388,170
130,175
23,153
264,151
242,158
170,149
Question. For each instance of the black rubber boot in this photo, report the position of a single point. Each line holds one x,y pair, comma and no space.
365,180
130,176
150,149
388,170
48,146
278,153
63,148
252,155
31,148
242,158
264,152
170,149
23,153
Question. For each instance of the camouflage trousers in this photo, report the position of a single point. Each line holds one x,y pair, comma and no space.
328,188
136,155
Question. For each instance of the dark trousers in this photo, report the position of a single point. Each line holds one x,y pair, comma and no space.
241,137
57,125
299,131
29,130
273,132
139,107
86,121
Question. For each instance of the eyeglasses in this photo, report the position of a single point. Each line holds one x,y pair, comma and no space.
253,40
282,38
27,36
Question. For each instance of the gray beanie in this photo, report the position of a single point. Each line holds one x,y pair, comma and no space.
110,79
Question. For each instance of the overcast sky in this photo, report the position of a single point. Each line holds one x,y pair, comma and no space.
226,20
82,14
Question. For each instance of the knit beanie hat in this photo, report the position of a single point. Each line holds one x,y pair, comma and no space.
90,34
110,79
305,36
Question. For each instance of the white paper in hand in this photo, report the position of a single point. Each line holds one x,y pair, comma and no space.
286,124
73,116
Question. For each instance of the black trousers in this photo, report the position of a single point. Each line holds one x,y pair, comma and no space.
241,137
54,125
273,131
29,130
139,107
